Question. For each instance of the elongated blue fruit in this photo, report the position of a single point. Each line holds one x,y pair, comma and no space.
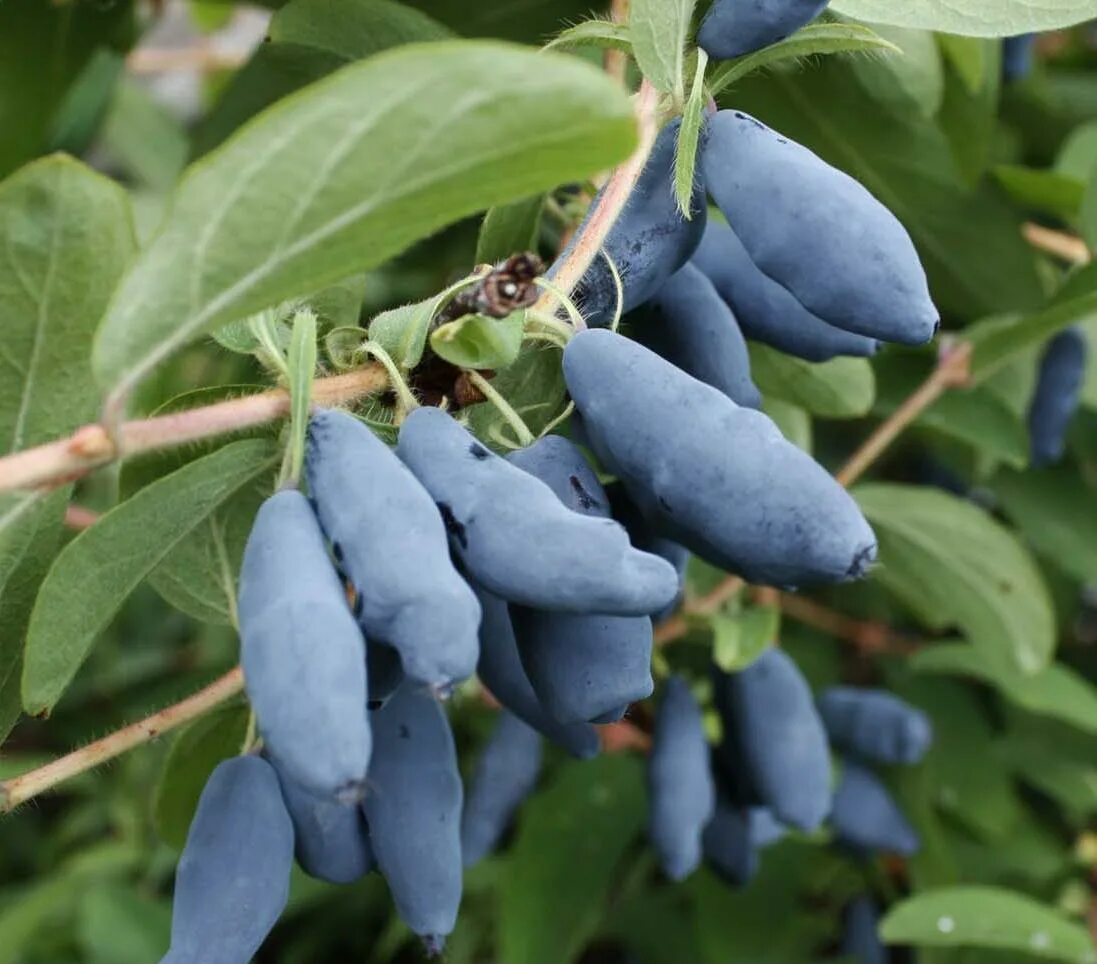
414,811
649,241
769,712
332,841
727,844
681,792
302,652
689,325
867,818
505,775
719,479
583,666
767,312
765,828
817,232
736,27
389,538
860,937
516,538
874,725
1017,56
232,880
1058,392
500,668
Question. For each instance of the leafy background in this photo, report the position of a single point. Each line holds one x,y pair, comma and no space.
989,565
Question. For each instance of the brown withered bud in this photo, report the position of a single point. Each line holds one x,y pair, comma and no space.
465,393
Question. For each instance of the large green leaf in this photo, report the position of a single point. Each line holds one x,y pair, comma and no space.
968,237
352,29
105,563
839,388
1056,691
65,239
340,176
986,917
953,565
657,29
572,837
44,47
976,18
509,229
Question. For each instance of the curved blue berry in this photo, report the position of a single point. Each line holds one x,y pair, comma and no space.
583,666
769,713
1017,56
727,844
648,242
500,668
817,232
867,818
332,840
516,538
232,880
1058,393
765,828
766,312
413,808
689,325
874,725
505,775
390,540
681,791
715,477
736,27
860,935
302,652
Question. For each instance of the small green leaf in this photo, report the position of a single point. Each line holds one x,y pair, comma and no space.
1049,192
476,341
119,926
685,151
739,639
302,371
793,421
347,173
402,331
972,916
814,39
1056,691
510,229
560,872
594,33
973,18
839,388
97,571
192,758
658,31
534,387
353,29
913,81
954,565
142,138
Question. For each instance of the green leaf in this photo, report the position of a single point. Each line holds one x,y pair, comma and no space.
793,421
480,342
594,33
969,113
117,926
534,387
44,48
66,236
685,151
839,388
1050,192
953,565
1087,215
18,521
353,29
968,58
658,31
402,331
975,416
510,229
85,104
739,639
142,137
812,40
558,877
312,191
914,81
105,563
973,18
1053,508
1056,691
192,758
986,917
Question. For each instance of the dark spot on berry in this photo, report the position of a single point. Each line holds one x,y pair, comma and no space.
586,500
405,733
453,527
665,506
337,551
477,451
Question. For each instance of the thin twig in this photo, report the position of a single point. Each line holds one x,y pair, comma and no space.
1069,247
867,635
205,58
614,61
952,371
19,789
611,201
90,447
